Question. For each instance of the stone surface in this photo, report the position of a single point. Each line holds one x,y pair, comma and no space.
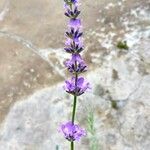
32,102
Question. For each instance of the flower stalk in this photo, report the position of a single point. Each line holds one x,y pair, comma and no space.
72,145
74,108
75,97
76,65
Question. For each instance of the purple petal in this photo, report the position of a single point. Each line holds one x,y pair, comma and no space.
75,23
68,42
68,86
80,82
78,58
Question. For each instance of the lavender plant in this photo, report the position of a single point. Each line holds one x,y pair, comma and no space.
92,131
76,86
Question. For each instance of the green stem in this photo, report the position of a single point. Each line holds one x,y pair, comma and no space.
72,145
74,109
75,101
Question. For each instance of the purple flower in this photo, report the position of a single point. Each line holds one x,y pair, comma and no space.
74,1
72,131
73,14
75,23
76,87
76,64
73,46
74,34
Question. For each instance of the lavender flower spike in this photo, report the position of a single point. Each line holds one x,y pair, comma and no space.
72,131
75,65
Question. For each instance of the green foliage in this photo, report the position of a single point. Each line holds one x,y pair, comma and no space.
114,104
90,121
57,147
68,2
122,45
92,131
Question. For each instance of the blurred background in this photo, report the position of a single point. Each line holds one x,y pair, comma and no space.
115,113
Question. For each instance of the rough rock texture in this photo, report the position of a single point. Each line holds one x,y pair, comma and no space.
33,123
32,102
